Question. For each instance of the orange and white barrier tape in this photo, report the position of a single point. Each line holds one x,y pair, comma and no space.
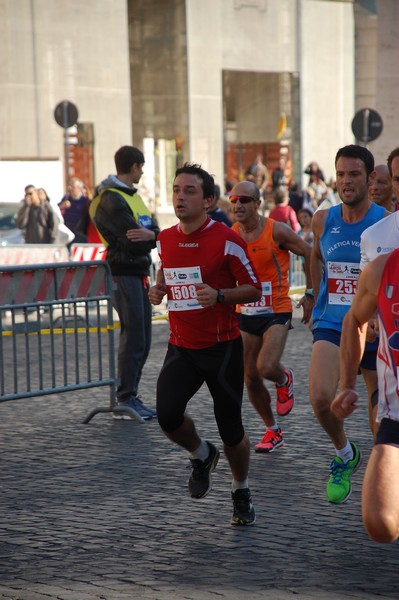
32,254
87,252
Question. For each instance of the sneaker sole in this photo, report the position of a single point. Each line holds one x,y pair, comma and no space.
242,523
344,501
214,465
267,450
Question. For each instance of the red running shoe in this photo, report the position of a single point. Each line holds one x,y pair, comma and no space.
272,440
285,395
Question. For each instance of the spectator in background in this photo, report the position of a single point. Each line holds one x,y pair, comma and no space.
129,232
86,229
380,188
314,169
216,213
332,185
63,235
258,173
228,185
226,206
329,198
73,205
319,187
296,196
308,200
282,211
302,198
36,218
278,176
44,197
305,221
88,192
41,192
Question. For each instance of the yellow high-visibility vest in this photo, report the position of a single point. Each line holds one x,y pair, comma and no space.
141,213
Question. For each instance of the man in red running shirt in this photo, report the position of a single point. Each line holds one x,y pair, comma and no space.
205,271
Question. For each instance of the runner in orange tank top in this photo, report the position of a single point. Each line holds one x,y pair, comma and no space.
265,324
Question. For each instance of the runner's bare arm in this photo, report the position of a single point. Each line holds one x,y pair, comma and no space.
353,337
284,236
316,262
241,294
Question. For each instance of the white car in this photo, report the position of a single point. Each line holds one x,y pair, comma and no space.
9,234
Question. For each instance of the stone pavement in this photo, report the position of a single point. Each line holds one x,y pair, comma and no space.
101,511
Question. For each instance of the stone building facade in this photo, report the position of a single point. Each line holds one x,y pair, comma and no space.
197,80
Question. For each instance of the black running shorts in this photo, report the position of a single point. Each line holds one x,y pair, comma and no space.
258,325
183,373
388,432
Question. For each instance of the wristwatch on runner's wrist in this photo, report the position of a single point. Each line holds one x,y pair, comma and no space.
220,297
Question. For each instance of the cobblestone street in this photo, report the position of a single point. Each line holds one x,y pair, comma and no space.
101,511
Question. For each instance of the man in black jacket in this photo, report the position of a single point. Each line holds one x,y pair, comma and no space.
129,232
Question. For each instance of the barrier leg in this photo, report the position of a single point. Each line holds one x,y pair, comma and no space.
115,409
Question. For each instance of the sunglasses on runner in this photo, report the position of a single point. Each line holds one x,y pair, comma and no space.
242,199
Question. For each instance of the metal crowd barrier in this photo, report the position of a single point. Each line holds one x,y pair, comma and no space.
57,331
297,275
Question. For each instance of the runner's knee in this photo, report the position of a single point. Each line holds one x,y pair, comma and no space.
232,438
168,420
381,526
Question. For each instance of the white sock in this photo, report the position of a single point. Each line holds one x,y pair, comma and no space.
274,427
202,452
239,485
345,453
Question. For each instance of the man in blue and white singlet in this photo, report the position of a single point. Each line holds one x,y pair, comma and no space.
335,267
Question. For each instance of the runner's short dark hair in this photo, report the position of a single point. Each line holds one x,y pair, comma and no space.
208,182
360,152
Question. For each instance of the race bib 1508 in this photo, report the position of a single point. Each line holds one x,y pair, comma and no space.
182,292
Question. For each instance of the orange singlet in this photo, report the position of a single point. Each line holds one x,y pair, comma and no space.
272,265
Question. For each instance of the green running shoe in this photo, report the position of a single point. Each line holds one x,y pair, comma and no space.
339,486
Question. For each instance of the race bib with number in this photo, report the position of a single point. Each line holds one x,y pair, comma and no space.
262,306
182,292
342,282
